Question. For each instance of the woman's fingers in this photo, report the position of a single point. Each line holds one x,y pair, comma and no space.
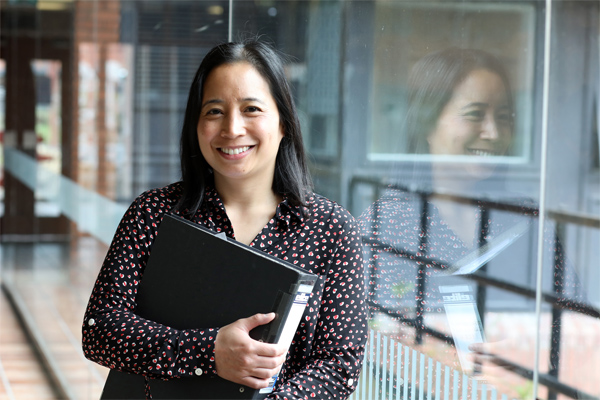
256,320
255,383
241,359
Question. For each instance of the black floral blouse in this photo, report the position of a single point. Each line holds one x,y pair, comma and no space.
325,358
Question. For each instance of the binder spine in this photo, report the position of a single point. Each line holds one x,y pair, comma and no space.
289,326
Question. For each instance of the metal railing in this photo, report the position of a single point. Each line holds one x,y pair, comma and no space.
393,370
557,302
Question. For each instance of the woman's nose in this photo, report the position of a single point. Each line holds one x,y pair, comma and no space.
489,128
233,125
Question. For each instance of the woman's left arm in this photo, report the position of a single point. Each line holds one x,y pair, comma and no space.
332,367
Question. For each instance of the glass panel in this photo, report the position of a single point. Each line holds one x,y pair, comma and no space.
87,96
48,131
572,219
119,121
451,271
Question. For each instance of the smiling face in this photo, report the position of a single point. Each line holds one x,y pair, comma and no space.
477,119
239,129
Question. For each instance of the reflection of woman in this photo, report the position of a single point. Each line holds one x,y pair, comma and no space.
244,173
460,111
460,86
460,106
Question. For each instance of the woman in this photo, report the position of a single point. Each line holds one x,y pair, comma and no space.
243,173
432,83
461,114
460,106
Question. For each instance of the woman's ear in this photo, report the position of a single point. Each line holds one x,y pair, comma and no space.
281,130
427,144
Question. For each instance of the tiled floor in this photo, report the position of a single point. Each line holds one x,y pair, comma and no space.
21,376
52,283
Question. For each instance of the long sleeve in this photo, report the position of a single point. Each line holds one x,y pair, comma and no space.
333,359
113,335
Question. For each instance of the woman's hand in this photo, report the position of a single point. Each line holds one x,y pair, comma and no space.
243,360
488,367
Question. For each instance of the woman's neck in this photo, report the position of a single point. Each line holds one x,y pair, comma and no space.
445,182
460,218
249,207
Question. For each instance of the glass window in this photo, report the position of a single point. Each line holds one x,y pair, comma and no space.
462,136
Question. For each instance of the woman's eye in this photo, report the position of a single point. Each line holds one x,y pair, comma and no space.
213,111
474,114
505,117
252,109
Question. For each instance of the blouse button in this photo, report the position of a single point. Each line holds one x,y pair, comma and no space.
198,371
350,382
91,322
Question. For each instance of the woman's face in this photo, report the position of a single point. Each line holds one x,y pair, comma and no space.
239,130
477,119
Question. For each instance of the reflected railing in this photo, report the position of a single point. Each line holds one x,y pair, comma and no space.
393,370
483,281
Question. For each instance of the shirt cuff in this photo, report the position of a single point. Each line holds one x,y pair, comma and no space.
196,352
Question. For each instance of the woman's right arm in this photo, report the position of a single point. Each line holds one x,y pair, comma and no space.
113,335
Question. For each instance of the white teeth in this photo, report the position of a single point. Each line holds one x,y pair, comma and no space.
483,153
237,150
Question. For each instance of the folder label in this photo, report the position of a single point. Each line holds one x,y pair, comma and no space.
269,388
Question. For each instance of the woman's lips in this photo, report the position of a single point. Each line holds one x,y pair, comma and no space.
483,153
232,151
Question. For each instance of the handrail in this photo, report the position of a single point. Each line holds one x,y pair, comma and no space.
574,218
557,215
555,301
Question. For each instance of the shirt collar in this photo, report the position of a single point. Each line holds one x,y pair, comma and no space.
285,211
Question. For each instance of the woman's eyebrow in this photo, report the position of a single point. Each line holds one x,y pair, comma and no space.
253,99
212,101
474,104
219,101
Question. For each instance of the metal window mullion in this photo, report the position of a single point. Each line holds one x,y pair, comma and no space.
230,22
542,208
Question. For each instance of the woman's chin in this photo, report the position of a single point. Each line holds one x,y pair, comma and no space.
463,174
479,172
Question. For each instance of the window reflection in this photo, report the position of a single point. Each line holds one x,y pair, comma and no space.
448,263
406,32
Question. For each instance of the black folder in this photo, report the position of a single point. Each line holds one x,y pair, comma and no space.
195,278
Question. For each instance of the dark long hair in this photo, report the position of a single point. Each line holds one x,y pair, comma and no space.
291,178
431,83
